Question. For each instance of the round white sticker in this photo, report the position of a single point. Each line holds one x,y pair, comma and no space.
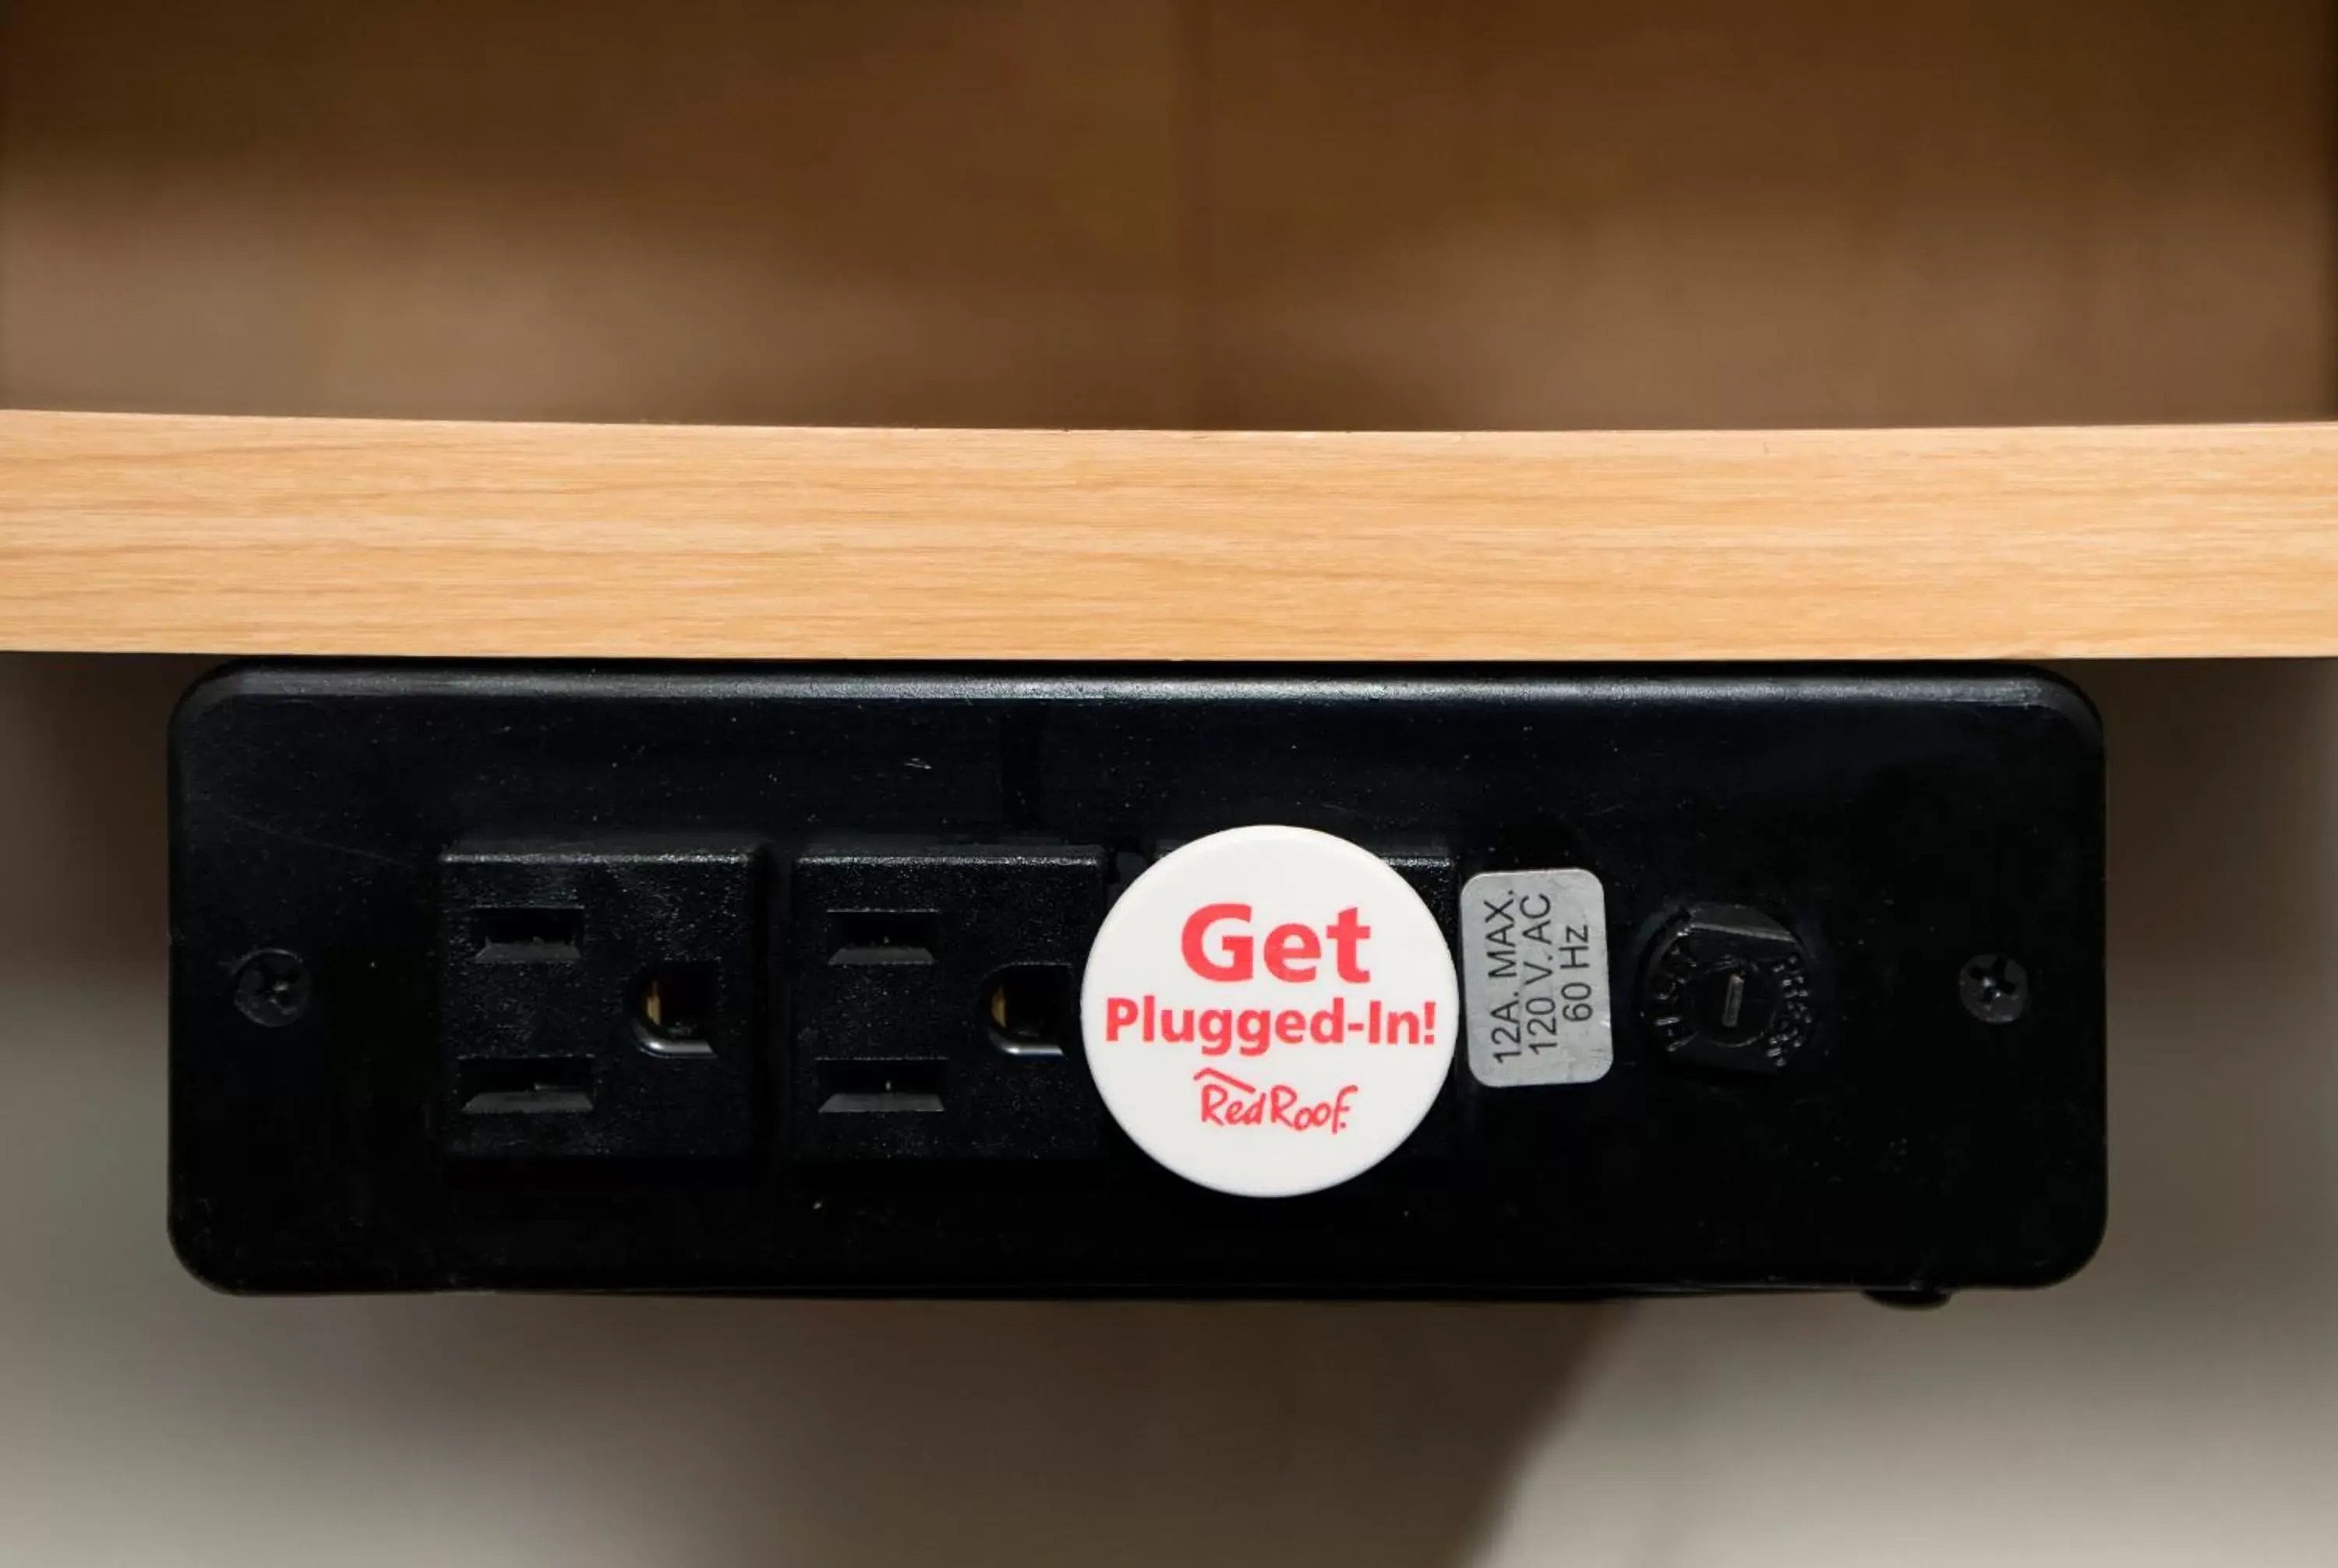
1269,1011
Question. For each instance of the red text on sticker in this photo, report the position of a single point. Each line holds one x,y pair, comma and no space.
1218,946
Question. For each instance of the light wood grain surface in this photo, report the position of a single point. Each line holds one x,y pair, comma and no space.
363,536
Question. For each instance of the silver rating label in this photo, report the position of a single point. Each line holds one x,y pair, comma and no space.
1534,978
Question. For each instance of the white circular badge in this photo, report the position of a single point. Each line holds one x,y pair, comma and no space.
1269,1011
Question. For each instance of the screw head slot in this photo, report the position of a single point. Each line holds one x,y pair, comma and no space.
272,988
1994,988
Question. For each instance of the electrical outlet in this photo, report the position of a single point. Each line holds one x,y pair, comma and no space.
598,1001
936,1001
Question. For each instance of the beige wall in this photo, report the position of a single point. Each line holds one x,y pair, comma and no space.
2177,1405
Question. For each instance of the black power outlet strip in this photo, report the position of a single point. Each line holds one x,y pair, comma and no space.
776,980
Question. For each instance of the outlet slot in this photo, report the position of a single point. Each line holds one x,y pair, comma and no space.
524,1085
860,1088
671,1009
1030,1010
883,937
528,935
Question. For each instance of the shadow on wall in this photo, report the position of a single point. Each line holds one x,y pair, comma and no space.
580,1431
81,832
2223,972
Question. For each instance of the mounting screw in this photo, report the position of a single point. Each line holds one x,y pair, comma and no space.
1728,986
1995,988
271,988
